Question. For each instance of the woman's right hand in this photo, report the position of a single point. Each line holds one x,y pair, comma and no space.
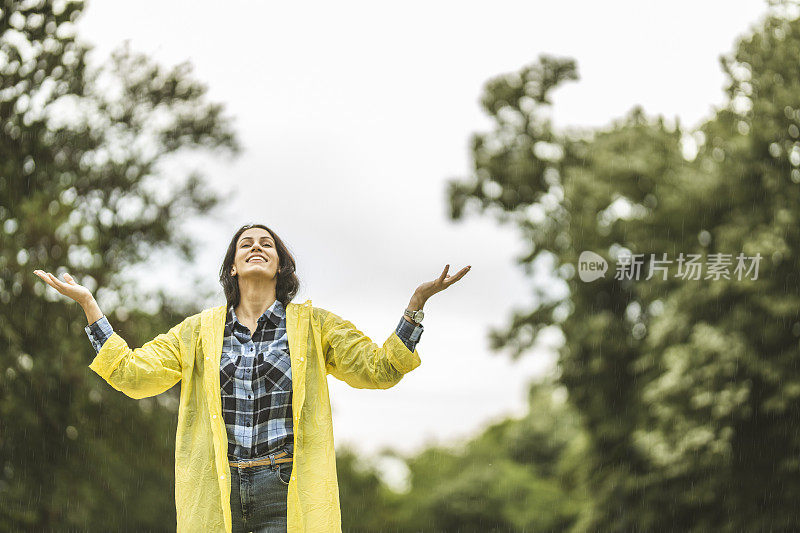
71,288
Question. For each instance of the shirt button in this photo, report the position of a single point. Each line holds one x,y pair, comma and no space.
213,416
301,358
249,397
222,476
248,370
248,424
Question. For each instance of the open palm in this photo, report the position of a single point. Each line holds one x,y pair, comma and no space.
429,288
70,288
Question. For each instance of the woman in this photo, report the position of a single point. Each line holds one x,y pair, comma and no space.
254,445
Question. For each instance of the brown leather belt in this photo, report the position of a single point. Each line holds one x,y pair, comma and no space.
272,460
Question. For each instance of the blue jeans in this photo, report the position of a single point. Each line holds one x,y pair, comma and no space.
258,498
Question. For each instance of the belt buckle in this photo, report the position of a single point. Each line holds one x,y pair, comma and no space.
245,463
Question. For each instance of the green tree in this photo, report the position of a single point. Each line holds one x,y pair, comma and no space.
365,500
689,389
81,190
518,475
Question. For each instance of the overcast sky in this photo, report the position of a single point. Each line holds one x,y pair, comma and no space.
354,114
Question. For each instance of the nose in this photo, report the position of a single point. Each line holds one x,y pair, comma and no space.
256,250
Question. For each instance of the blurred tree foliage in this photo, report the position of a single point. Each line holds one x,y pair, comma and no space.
689,390
81,191
518,475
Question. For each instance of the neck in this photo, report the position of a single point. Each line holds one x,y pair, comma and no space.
254,299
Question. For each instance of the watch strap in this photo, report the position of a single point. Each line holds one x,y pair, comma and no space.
414,315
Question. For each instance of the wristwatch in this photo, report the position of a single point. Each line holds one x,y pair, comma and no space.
415,316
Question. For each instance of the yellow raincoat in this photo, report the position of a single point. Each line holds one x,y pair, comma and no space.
320,343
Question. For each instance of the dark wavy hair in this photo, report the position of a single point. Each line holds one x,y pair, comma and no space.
287,283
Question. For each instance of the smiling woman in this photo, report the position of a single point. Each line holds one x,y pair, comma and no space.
262,283
254,443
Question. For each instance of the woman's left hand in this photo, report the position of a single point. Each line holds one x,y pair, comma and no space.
429,288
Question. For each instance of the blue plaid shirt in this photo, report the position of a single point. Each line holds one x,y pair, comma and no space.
256,380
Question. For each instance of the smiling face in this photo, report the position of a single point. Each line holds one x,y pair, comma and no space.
256,254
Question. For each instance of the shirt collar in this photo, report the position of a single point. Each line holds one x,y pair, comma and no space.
275,313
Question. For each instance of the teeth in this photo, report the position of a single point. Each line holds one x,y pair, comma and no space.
256,259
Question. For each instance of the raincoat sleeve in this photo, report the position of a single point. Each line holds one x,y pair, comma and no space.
352,357
146,371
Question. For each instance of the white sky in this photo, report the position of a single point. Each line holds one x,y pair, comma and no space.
352,116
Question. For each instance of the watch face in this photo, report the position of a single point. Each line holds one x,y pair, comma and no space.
418,317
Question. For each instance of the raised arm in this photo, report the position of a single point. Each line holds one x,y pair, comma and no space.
138,373
354,358
146,371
